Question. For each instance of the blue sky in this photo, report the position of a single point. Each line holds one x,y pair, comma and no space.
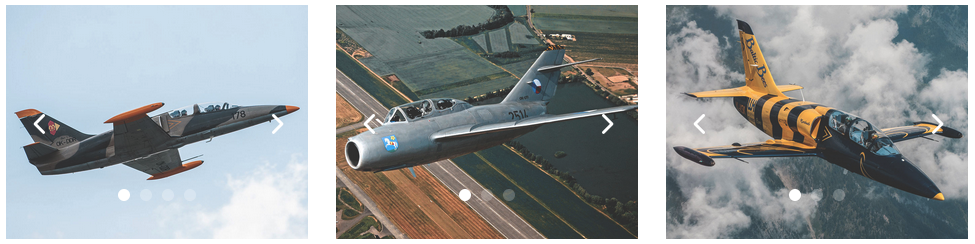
85,64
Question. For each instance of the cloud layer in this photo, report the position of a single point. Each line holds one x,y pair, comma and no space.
270,203
845,57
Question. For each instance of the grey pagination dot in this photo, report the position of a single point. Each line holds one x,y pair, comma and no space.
146,195
839,195
485,195
508,195
190,195
167,195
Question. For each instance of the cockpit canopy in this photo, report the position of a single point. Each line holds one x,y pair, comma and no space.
200,108
862,132
426,108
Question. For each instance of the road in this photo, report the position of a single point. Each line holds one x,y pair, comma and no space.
496,213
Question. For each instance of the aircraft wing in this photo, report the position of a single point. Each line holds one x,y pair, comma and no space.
161,164
464,131
135,134
771,148
156,163
919,129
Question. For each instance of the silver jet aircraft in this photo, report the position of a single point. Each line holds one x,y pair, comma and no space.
430,130
147,144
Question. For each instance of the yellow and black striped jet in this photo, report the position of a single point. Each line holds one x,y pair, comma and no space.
801,128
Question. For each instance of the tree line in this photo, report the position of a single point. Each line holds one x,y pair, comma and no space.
501,18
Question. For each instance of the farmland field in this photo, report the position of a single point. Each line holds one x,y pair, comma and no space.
499,41
372,84
544,221
392,36
474,89
521,35
562,201
588,10
614,49
572,25
520,68
440,69
345,114
518,10
411,212
479,38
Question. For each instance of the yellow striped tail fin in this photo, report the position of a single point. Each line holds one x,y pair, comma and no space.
757,74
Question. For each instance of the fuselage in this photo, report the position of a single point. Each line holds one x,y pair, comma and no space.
99,151
414,142
838,137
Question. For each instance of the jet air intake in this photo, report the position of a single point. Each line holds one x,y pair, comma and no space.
352,154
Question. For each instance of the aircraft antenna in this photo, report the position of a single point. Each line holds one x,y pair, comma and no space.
741,160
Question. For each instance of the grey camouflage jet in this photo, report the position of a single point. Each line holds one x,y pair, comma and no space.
430,130
146,144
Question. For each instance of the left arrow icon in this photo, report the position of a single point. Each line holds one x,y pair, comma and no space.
697,125
367,123
38,121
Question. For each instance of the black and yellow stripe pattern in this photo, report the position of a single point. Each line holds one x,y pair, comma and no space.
782,117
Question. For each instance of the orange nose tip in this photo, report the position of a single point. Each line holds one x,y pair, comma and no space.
291,109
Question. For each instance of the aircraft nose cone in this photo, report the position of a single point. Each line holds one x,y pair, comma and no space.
915,180
291,109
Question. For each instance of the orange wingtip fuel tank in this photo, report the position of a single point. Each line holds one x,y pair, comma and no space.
180,169
27,112
134,114
291,109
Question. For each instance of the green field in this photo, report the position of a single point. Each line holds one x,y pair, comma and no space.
499,40
541,200
612,48
521,67
356,232
350,200
372,84
520,34
441,69
559,25
518,10
481,42
475,89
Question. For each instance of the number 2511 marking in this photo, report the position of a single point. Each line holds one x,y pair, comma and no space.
520,114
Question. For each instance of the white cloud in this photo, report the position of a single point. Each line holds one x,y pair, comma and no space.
270,203
845,57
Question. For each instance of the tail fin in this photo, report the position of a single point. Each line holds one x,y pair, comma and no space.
757,74
538,84
45,129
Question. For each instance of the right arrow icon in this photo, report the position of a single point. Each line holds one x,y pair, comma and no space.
608,126
936,129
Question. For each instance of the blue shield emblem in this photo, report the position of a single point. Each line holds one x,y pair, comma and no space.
390,143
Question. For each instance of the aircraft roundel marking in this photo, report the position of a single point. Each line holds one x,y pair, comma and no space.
390,143
52,127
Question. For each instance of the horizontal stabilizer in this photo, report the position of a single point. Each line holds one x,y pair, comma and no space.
785,88
557,67
37,150
920,129
730,92
769,149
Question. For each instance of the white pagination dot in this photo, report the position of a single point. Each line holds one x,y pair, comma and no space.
794,194
190,194
146,195
123,195
167,195
464,195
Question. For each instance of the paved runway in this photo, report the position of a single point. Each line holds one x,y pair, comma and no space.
494,212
